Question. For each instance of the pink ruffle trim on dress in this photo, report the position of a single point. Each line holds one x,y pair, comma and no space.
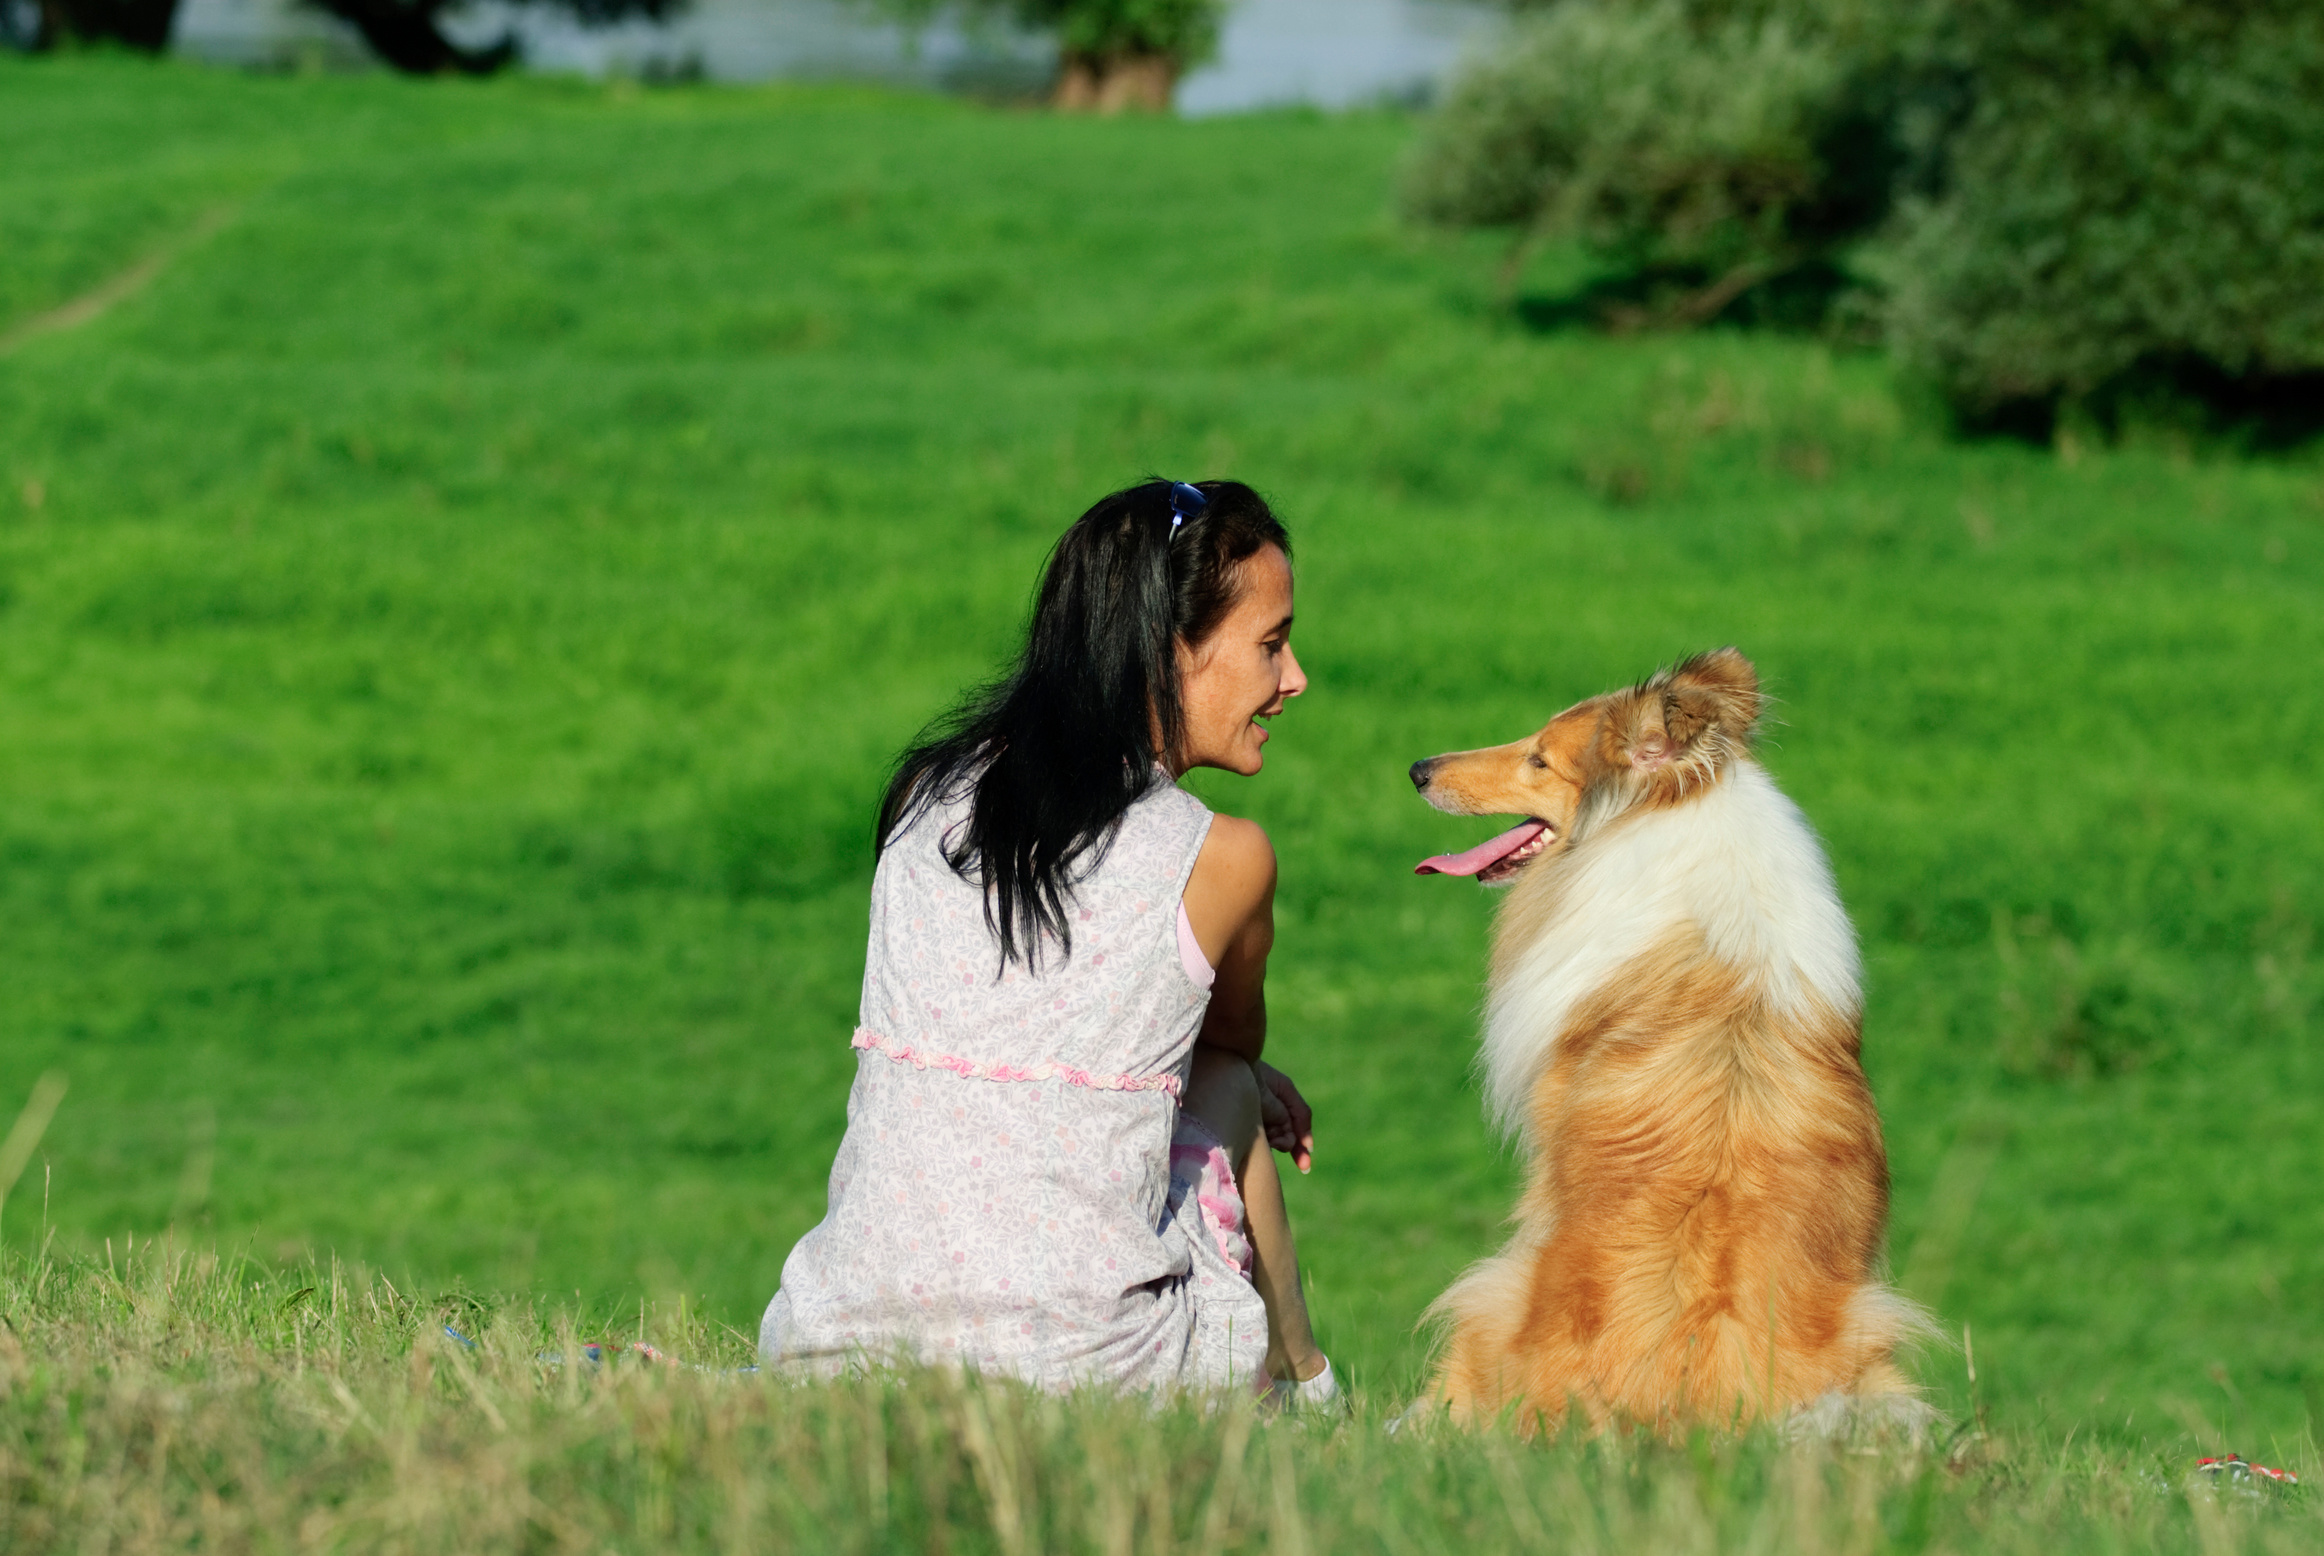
1046,1070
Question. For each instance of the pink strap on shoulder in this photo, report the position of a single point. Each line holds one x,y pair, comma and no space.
1199,972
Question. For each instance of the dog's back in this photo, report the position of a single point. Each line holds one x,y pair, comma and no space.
1673,1028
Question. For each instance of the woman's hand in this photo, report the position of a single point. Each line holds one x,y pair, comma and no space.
1289,1121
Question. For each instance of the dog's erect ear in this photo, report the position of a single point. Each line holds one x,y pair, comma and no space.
1652,740
1718,690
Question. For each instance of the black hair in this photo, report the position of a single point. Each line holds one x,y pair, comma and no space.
1053,753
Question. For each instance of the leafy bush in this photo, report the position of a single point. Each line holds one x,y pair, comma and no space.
1673,146
1113,54
1184,30
2080,206
2137,195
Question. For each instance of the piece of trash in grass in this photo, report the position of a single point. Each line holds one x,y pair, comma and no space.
2236,1467
594,1353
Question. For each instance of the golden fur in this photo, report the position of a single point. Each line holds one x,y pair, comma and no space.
1673,1028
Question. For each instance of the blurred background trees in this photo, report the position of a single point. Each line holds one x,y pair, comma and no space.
409,35
40,24
2092,208
2133,205
1112,54
406,34
1690,154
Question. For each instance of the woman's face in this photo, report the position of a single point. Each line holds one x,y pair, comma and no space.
1242,672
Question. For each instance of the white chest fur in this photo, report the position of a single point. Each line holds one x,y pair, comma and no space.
1738,863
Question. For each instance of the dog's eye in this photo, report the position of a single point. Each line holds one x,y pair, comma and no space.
1535,761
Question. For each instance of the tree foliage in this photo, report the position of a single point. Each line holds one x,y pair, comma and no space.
2064,202
2134,201
1112,53
1699,148
1185,31
409,35
406,34
43,24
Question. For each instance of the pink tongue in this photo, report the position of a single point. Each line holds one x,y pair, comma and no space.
1484,854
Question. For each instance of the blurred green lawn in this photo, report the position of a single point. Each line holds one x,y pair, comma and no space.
453,623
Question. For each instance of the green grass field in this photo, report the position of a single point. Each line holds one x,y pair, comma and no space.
455,614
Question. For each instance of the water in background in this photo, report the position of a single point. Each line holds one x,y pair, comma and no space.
1332,53
1329,53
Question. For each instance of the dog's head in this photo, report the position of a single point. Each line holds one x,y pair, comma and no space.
1655,743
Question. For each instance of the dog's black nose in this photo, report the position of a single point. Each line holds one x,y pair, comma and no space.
1420,771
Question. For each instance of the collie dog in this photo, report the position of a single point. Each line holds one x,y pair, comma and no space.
1672,1030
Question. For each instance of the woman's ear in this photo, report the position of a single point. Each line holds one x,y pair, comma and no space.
1190,662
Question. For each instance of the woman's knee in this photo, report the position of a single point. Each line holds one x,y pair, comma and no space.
1222,1095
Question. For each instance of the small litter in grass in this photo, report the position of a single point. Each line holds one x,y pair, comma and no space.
2235,1466
592,1351
596,1352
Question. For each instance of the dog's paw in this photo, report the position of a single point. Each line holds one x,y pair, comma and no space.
1898,1419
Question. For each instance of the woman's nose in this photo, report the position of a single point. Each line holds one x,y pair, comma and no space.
1294,678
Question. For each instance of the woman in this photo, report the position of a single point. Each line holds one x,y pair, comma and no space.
1058,1152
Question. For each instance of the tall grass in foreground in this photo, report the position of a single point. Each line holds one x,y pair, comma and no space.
160,1400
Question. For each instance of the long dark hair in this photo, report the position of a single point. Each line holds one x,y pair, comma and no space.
1054,752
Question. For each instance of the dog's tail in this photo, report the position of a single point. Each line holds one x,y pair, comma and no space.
1475,1323
1884,1320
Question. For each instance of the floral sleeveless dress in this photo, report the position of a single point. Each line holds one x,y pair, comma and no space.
1016,1190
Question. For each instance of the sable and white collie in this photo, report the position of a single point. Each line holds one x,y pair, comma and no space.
1672,1029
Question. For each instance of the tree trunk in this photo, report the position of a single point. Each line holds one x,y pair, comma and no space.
1077,78
1115,83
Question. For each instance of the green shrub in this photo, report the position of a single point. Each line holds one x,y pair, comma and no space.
2137,193
1185,30
2082,206
1113,54
1670,146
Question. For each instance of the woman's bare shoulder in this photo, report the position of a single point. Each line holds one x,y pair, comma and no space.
1236,868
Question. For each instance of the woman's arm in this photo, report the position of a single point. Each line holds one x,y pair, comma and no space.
1230,905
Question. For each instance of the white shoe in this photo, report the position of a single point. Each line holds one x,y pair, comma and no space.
1319,1395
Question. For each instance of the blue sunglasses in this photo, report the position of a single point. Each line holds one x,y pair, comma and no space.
1186,502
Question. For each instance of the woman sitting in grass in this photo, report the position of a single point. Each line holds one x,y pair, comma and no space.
1058,1152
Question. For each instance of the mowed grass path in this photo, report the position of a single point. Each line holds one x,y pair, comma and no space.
455,617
